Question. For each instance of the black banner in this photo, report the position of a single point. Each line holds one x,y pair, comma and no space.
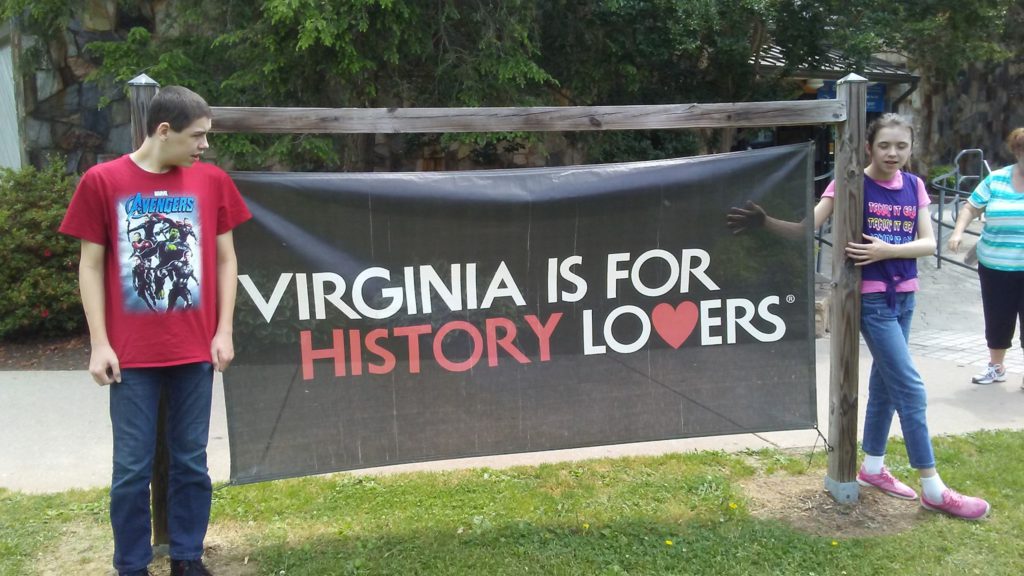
399,317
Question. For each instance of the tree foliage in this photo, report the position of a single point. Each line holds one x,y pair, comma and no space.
616,52
344,53
39,15
938,37
409,53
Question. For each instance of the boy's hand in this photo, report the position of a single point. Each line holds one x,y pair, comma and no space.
104,366
222,351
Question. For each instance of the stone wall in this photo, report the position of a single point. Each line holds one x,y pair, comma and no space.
978,110
62,113
980,107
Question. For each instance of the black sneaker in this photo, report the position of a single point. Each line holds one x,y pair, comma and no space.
143,572
189,568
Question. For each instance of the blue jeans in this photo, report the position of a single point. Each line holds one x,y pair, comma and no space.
133,415
894,384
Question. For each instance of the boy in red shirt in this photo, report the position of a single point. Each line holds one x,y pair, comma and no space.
140,342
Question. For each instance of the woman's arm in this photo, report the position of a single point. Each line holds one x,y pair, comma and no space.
967,214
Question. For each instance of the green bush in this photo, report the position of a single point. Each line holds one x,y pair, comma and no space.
39,275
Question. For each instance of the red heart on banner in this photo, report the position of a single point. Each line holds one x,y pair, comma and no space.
675,325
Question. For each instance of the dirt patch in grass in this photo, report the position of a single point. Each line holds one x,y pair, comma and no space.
802,502
226,551
83,548
86,548
219,557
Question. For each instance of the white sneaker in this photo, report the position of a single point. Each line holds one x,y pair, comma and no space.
993,373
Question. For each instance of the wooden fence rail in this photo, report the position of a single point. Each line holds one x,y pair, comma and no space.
548,119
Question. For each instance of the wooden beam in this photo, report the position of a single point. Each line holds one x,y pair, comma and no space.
547,119
847,219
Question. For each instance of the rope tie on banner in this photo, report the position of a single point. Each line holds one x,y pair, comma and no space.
227,484
824,441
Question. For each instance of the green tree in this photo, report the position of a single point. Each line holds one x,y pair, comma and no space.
343,53
406,53
618,52
938,38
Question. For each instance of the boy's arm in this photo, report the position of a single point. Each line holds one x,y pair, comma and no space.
222,349
103,363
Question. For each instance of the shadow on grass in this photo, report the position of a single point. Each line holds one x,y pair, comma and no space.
732,544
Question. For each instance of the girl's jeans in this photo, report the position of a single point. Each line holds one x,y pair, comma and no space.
894,385
133,415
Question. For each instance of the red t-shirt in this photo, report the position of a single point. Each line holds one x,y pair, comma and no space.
160,233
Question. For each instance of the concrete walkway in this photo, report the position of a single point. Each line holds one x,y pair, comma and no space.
55,432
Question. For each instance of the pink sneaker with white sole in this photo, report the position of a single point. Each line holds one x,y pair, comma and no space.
887,483
958,505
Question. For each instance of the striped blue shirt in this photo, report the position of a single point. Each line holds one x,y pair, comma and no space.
1002,239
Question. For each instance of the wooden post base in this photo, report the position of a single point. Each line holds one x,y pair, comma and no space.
842,492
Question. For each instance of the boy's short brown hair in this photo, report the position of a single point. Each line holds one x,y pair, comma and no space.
176,105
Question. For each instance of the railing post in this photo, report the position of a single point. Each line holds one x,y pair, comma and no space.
939,224
142,88
846,227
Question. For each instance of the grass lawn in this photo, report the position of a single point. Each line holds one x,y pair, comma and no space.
697,513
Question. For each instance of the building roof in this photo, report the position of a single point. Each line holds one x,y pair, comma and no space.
834,65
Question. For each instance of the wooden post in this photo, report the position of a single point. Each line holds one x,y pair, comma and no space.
847,221
142,88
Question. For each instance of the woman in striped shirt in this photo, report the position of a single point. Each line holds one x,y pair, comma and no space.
1000,254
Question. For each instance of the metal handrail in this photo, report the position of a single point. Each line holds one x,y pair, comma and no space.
954,184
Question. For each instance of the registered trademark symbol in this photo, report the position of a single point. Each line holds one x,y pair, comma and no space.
790,299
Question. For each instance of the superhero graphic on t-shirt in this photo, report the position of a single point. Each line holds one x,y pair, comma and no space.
142,282
182,273
140,246
185,229
159,249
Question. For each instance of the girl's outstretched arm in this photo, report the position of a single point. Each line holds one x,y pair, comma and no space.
823,210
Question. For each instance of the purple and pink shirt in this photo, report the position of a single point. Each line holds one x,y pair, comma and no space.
890,214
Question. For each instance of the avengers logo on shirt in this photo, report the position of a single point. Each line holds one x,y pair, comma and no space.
158,248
